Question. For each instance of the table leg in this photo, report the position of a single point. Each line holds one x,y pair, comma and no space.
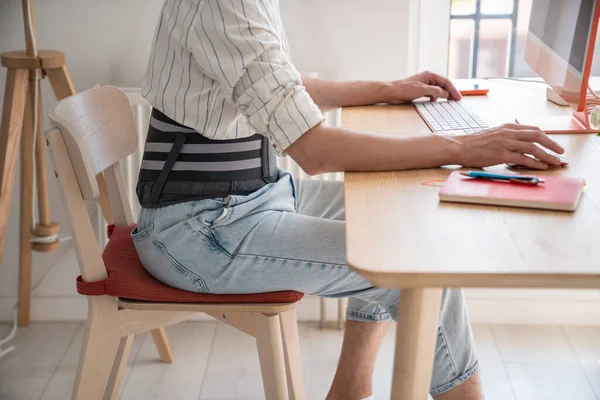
415,343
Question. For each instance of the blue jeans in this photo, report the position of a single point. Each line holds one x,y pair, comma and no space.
286,236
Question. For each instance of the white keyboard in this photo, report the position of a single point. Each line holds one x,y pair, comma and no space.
450,117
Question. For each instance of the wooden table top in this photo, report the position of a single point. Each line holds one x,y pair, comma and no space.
400,235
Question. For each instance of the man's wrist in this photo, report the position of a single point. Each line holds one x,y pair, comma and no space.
450,150
384,91
368,92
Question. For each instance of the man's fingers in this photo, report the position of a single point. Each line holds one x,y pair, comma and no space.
435,91
520,126
534,150
521,159
443,82
537,136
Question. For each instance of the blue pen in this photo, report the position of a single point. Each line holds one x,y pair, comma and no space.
527,179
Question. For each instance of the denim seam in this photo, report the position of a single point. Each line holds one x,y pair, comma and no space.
290,259
455,382
209,237
377,317
447,349
196,279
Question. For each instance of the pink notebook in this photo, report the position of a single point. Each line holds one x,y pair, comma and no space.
556,193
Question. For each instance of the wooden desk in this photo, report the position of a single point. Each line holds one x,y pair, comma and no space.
409,240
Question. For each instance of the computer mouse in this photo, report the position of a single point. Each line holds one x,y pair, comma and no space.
563,164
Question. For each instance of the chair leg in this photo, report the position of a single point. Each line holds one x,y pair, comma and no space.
162,345
323,319
342,304
291,349
270,355
116,375
99,350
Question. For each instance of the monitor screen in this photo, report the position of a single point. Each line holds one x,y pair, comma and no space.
564,26
560,32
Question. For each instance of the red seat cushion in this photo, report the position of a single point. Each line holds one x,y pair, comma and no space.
127,278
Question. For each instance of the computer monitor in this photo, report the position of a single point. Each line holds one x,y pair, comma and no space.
560,48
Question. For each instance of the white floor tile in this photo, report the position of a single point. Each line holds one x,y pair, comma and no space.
150,379
537,344
25,372
592,373
496,385
233,370
585,342
60,386
546,381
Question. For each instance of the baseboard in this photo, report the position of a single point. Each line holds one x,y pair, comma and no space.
529,311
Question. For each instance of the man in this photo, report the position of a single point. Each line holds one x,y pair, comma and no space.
218,217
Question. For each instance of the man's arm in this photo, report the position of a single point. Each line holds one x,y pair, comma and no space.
326,149
329,95
289,117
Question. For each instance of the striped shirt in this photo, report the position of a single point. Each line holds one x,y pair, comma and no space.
223,68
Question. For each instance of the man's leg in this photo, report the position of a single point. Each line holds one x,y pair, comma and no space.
455,362
257,243
353,378
469,390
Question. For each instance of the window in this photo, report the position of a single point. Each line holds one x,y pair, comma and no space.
487,38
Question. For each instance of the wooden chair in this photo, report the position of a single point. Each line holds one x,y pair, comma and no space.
93,131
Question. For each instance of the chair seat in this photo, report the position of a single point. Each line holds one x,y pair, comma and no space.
127,278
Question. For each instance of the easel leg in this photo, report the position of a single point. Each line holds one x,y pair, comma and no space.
44,227
415,343
26,204
10,137
60,82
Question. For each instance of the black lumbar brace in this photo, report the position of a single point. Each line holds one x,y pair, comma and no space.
179,164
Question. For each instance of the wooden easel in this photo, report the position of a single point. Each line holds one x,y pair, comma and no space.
25,70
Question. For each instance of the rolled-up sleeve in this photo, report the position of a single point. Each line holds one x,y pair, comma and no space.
241,46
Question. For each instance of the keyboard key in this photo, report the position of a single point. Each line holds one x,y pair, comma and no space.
450,116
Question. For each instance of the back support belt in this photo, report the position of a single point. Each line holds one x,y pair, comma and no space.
179,164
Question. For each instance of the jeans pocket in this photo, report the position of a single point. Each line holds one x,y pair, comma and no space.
159,263
138,235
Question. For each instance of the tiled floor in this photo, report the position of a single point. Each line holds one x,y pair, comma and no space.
214,361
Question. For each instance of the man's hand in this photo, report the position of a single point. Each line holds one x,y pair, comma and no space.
509,143
424,84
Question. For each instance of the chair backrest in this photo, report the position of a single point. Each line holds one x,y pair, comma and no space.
94,131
